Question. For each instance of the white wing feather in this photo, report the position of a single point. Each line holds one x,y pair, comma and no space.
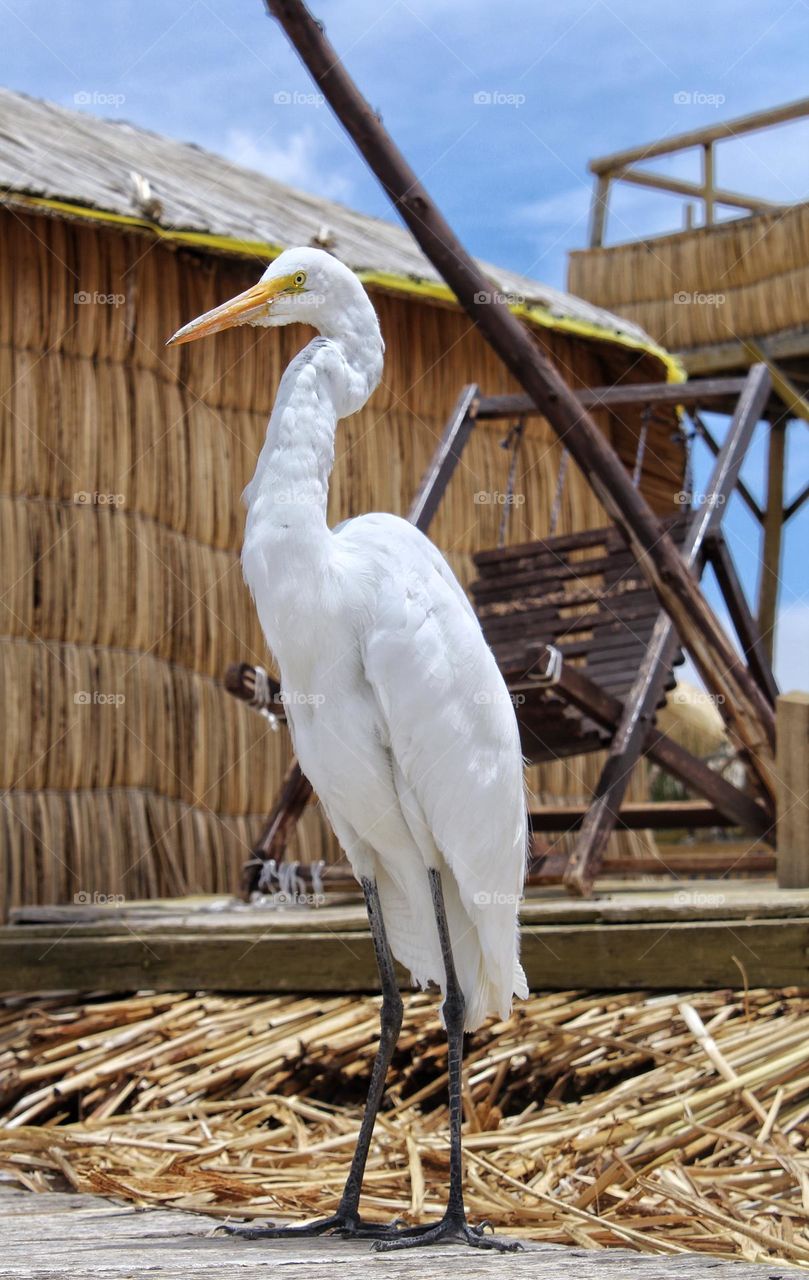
453,739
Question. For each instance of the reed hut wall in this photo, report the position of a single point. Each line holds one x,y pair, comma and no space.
126,767
745,278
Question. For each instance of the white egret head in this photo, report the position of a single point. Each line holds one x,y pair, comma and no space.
302,286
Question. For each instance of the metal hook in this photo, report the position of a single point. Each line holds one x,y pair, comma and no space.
262,698
553,668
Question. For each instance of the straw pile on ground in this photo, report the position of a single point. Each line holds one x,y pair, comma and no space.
744,278
127,768
665,1123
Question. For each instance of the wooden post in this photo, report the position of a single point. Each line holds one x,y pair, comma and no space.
745,624
792,840
598,210
713,653
773,524
708,182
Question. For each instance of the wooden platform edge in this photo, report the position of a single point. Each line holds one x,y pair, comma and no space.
686,955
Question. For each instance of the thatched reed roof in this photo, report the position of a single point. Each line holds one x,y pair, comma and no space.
691,717
76,164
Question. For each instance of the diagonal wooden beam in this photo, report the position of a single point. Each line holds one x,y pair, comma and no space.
445,459
607,710
724,567
796,503
702,134
711,649
784,386
741,488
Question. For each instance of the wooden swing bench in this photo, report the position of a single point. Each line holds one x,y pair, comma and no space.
582,640
584,595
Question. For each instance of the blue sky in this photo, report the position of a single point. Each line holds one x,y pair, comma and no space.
571,80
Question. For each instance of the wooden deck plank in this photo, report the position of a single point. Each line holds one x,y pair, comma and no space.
689,935
50,1236
618,900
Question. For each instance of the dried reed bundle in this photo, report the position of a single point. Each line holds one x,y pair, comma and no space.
667,1123
127,768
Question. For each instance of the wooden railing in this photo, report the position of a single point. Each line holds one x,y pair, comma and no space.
622,167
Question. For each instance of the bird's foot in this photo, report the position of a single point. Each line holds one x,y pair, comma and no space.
452,1228
348,1225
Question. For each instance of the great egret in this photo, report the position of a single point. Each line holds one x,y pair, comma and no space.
399,715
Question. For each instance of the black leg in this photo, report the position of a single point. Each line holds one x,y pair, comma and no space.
391,1025
346,1220
453,1226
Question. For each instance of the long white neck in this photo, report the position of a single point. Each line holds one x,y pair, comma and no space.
331,378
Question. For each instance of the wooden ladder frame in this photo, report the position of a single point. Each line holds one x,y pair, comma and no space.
631,722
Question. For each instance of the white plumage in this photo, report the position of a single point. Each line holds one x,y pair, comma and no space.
399,715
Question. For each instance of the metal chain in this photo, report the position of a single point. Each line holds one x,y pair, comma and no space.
512,441
641,450
261,700
557,497
688,470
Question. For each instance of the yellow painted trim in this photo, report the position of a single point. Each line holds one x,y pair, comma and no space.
198,239
533,312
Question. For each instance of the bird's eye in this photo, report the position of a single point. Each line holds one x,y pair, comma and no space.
299,279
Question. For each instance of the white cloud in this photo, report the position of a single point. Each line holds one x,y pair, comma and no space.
562,209
295,159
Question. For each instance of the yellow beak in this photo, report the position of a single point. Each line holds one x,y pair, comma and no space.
245,308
